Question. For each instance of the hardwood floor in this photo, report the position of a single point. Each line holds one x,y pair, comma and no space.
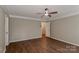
34,46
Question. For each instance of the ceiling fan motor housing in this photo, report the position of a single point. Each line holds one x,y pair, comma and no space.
46,9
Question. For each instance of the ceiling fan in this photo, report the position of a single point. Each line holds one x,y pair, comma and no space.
47,13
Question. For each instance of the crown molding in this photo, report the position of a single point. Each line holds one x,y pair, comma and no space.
22,17
30,18
69,15
27,18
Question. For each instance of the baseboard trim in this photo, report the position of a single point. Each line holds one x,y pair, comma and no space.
49,38
64,41
2,51
22,40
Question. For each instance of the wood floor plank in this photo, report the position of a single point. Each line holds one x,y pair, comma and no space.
33,46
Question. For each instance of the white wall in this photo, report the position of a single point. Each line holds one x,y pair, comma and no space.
2,31
21,29
66,29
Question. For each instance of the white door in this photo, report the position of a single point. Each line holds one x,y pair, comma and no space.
6,30
48,29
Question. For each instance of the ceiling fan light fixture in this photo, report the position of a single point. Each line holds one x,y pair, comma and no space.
46,14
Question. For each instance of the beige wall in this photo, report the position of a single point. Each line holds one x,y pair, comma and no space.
66,29
2,31
21,29
48,29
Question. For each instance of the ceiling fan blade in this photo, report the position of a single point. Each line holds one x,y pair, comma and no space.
49,15
53,12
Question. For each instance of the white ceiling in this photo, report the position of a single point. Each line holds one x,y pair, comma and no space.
30,11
